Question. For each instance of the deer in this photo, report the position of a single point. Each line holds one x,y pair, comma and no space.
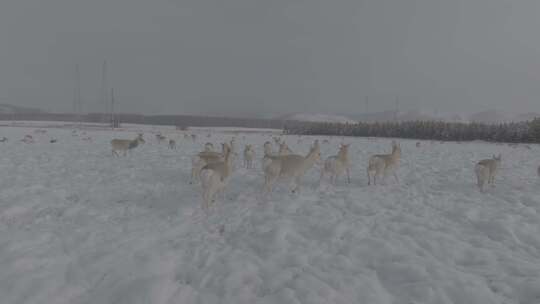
208,147
203,158
267,151
290,166
3,139
160,138
194,137
284,149
486,170
172,144
215,176
28,139
249,154
337,165
125,145
383,164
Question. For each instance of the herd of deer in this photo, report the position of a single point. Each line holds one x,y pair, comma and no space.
213,169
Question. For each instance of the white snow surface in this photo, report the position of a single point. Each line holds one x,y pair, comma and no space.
79,226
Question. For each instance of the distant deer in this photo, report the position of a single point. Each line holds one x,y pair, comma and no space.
3,139
172,144
215,176
290,166
249,154
384,163
337,165
125,145
160,138
28,139
194,137
486,170
418,144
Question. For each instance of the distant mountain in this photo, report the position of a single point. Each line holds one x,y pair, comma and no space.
490,116
317,118
409,116
11,109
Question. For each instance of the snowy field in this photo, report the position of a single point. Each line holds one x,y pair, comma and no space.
79,226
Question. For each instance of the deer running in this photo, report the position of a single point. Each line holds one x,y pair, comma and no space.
290,166
202,159
486,170
384,164
215,176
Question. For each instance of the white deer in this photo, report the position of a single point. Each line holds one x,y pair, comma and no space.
290,166
202,159
249,154
125,145
284,149
486,170
384,164
337,165
160,138
215,176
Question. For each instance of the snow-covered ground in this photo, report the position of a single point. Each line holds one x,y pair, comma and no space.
79,226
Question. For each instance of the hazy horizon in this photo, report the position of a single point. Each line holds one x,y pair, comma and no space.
246,58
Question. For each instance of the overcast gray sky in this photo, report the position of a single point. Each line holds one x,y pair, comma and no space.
248,57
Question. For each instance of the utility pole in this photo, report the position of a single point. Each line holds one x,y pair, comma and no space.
104,90
397,108
113,123
77,95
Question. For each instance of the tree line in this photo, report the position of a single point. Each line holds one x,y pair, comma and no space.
514,132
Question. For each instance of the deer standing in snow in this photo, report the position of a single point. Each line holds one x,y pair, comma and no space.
290,166
172,144
486,170
384,164
337,165
125,145
160,138
249,154
215,176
